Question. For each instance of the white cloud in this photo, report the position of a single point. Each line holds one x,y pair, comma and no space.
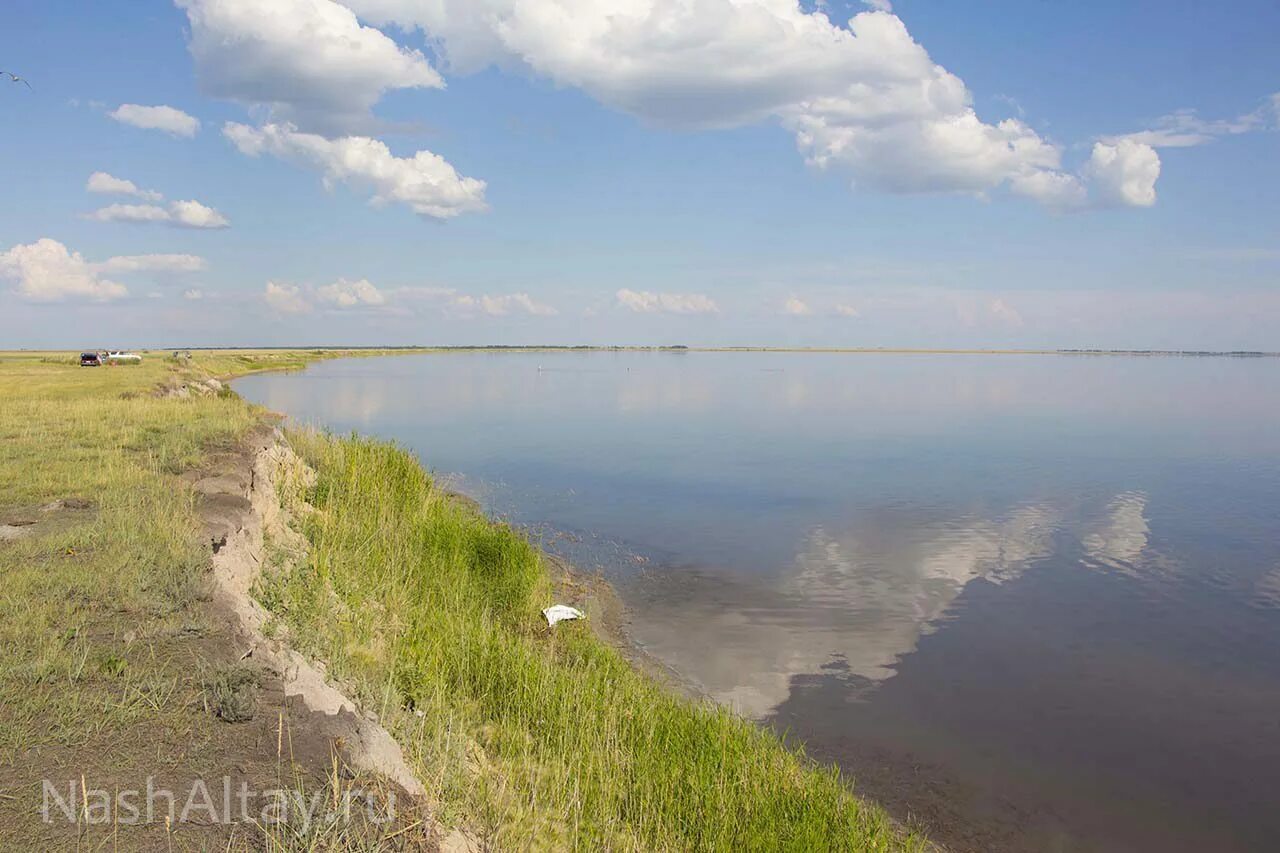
286,298
848,311
345,293
101,182
1005,313
425,182
46,271
307,61
1052,189
1124,172
866,100
184,214
181,214
168,119
796,307
497,306
193,214
152,263
348,294
130,213
494,305
1184,128
647,302
193,295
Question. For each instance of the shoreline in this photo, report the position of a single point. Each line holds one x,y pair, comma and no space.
327,352
607,616
605,622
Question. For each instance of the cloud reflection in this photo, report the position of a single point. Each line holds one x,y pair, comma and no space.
1120,539
861,597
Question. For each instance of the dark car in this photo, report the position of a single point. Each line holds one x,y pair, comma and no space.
90,359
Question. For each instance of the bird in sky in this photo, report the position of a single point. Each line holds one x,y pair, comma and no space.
14,78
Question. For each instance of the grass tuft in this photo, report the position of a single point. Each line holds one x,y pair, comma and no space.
230,692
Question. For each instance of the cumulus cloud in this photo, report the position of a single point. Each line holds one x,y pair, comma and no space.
286,298
153,263
1124,172
796,307
865,100
130,213
647,302
310,62
193,214
425,182
168,119
101,182
180,214
455,302
348,294
183,214
193,295
46,271
498,306
848,311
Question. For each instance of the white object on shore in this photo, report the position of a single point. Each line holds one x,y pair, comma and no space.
560,612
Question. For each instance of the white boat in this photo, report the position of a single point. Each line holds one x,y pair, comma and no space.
120,357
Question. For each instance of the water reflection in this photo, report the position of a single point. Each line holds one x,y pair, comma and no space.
1118,542
860,597
1053,580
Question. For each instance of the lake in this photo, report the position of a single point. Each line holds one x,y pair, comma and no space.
1029,601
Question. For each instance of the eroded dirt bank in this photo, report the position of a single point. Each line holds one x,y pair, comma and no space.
241,512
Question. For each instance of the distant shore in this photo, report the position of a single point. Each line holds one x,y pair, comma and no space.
330,350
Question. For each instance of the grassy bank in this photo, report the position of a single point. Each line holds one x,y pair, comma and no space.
432,611
427,612
106,640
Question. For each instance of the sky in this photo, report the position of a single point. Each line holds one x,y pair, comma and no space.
645,172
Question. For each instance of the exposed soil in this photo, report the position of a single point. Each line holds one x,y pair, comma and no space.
19,523
239,505
274,724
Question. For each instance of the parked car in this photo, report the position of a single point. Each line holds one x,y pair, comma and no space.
90,359
121,357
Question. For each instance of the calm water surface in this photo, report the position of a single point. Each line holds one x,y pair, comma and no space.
1032,602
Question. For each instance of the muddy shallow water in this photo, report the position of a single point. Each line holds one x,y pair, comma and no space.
1031,602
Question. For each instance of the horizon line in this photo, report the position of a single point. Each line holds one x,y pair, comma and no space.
888,350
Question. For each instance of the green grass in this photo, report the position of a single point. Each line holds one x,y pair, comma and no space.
426,610
134,560
69,597
95,674
547,738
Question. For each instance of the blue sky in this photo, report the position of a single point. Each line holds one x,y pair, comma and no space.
682,171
